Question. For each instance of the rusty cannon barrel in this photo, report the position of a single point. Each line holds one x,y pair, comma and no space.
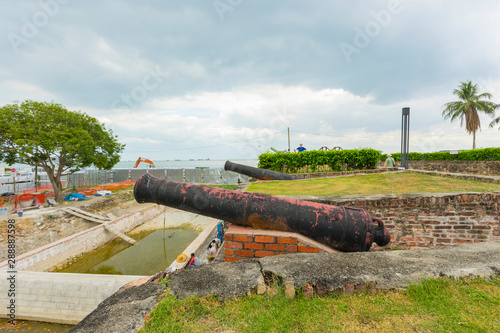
258,173
341,228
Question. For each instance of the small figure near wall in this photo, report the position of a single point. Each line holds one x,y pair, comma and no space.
389,162
212,252
300,148
194,261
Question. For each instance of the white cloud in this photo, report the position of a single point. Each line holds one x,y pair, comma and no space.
174,79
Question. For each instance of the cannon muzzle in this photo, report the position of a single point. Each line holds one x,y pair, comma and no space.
258,173
341,228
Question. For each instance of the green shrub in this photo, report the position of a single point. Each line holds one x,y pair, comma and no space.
336,160
484,154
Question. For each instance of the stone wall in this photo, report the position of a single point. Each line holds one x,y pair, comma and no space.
430,220
489,168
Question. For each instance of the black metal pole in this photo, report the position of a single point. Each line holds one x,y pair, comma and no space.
405,137
408,141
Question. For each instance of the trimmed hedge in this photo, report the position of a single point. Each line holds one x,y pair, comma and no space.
337,160
485,154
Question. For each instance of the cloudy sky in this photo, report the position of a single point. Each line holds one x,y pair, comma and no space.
226,78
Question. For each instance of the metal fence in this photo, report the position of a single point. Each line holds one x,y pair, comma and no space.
100,177
197,175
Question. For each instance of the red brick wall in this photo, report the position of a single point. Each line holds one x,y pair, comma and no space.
423,221
238,247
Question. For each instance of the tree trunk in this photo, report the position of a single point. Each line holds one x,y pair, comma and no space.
474,140
56,185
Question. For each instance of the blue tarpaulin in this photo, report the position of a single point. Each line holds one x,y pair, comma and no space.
75,197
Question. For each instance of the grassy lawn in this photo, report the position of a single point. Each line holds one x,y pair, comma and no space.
388,183
436,305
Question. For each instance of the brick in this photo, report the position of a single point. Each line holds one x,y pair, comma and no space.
442,227
228,252
308,290
484,227
228,237
291,248
275,247
443,240
242,238
233,245
320,289
308,249
254,246
289,289
349,289
360,288
230,259
287,240
461,227
264,239
243,253
477,232
261,254
467,214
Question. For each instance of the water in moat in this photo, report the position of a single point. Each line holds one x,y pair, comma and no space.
33,327
153,253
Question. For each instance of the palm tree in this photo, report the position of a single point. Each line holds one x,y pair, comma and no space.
468,106
494,122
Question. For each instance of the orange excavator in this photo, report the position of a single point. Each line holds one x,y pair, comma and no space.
145,160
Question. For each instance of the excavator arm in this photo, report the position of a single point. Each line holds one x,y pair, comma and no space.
145,160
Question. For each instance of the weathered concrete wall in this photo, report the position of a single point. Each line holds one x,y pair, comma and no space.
430,219
199,246
59,252
64,298
489,168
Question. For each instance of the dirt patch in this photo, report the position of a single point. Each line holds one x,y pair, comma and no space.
39,227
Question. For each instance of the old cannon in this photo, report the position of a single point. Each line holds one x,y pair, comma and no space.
341,228
258,173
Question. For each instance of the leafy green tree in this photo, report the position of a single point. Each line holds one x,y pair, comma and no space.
467,107
60,141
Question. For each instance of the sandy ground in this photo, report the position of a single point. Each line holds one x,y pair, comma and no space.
39,227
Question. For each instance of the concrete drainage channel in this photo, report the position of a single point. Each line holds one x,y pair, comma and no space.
68,297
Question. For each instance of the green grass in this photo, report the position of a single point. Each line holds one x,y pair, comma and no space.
225,187
387,183
435,305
